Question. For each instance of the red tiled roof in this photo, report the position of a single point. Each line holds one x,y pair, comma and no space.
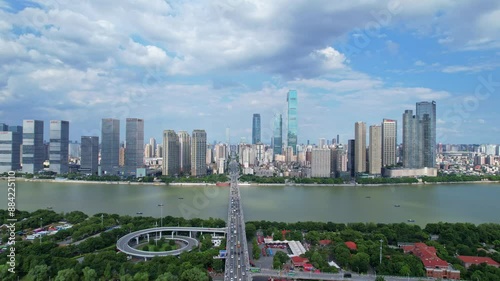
427,255
351,245
299,260
325,242
478,260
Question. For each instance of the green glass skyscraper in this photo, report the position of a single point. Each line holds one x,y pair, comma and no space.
292,120
278,134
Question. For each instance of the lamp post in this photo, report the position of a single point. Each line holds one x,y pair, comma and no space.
381,241
161,214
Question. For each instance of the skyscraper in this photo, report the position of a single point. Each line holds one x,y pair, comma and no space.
375,150
184,152
10,148
412,141
322,143
171,161
134,145
292,120
90,155
110,145
278,134
152,142
59,146
360,147
351,154
426,113
389,142
33,148
256,133
198,153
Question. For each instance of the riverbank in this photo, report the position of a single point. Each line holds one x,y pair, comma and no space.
115,182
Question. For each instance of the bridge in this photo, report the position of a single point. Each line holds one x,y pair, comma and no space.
126,243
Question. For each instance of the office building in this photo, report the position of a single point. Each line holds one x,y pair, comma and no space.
198,153
292,131
389,142
33,147
171,154
426,113
10,148
278,134
121,156
110,146
74,150
134,145
256,132
375,150
412,141
59,146
360,148
152,143
184,152
351,153
89,155
321,163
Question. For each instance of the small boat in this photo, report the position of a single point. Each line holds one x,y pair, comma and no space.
397,205
181,198
139,213
410,220
368,197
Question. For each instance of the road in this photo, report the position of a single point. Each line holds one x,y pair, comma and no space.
237,261
330,276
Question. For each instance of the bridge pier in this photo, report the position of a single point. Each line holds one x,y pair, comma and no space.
137,240
147,234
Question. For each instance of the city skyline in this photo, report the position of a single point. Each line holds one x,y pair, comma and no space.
346,70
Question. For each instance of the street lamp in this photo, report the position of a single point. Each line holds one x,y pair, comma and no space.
381,241
161,214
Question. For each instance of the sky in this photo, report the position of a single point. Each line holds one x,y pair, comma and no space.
187,65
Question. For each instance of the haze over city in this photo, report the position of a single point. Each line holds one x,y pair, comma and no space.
211,65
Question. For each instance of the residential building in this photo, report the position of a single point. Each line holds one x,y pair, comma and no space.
467,261
389,142
198,153
351,154
184,152
321,163
89,155
33,147
134,145
375,150
360,148
171,153
426,112
110,146
59,146
10,148
292,104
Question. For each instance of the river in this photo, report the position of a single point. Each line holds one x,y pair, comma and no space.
476,203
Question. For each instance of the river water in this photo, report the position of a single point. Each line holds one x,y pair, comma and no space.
476,203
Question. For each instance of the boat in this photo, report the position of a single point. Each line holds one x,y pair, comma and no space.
139,213
181,198
368,197
397,205
410,220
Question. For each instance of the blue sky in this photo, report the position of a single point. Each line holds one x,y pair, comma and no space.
186,65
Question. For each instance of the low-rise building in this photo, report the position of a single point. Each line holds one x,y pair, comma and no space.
434,266
470,260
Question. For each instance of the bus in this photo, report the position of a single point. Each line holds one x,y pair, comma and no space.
255,269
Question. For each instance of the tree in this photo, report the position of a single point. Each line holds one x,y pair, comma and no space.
67,275
250,230
126,277
39,273
107,271
194,274
360,262
141,276
167,277
89,274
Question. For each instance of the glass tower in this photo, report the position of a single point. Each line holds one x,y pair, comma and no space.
412,141
426,113
278,134
134,141
292,120
33,148
110,146
256,136
59,146
89,155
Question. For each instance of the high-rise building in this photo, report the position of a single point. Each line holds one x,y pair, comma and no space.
147,151
375,150
360,147
33,147
10,148
134,141
292,120
185,152
426,113
89,155
198,153
171,154
159,150
322,143
152,142
256,129
121,156
75,149
210,155
321,163
389,142
278,134
110,146
412,141
351,153
59,146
